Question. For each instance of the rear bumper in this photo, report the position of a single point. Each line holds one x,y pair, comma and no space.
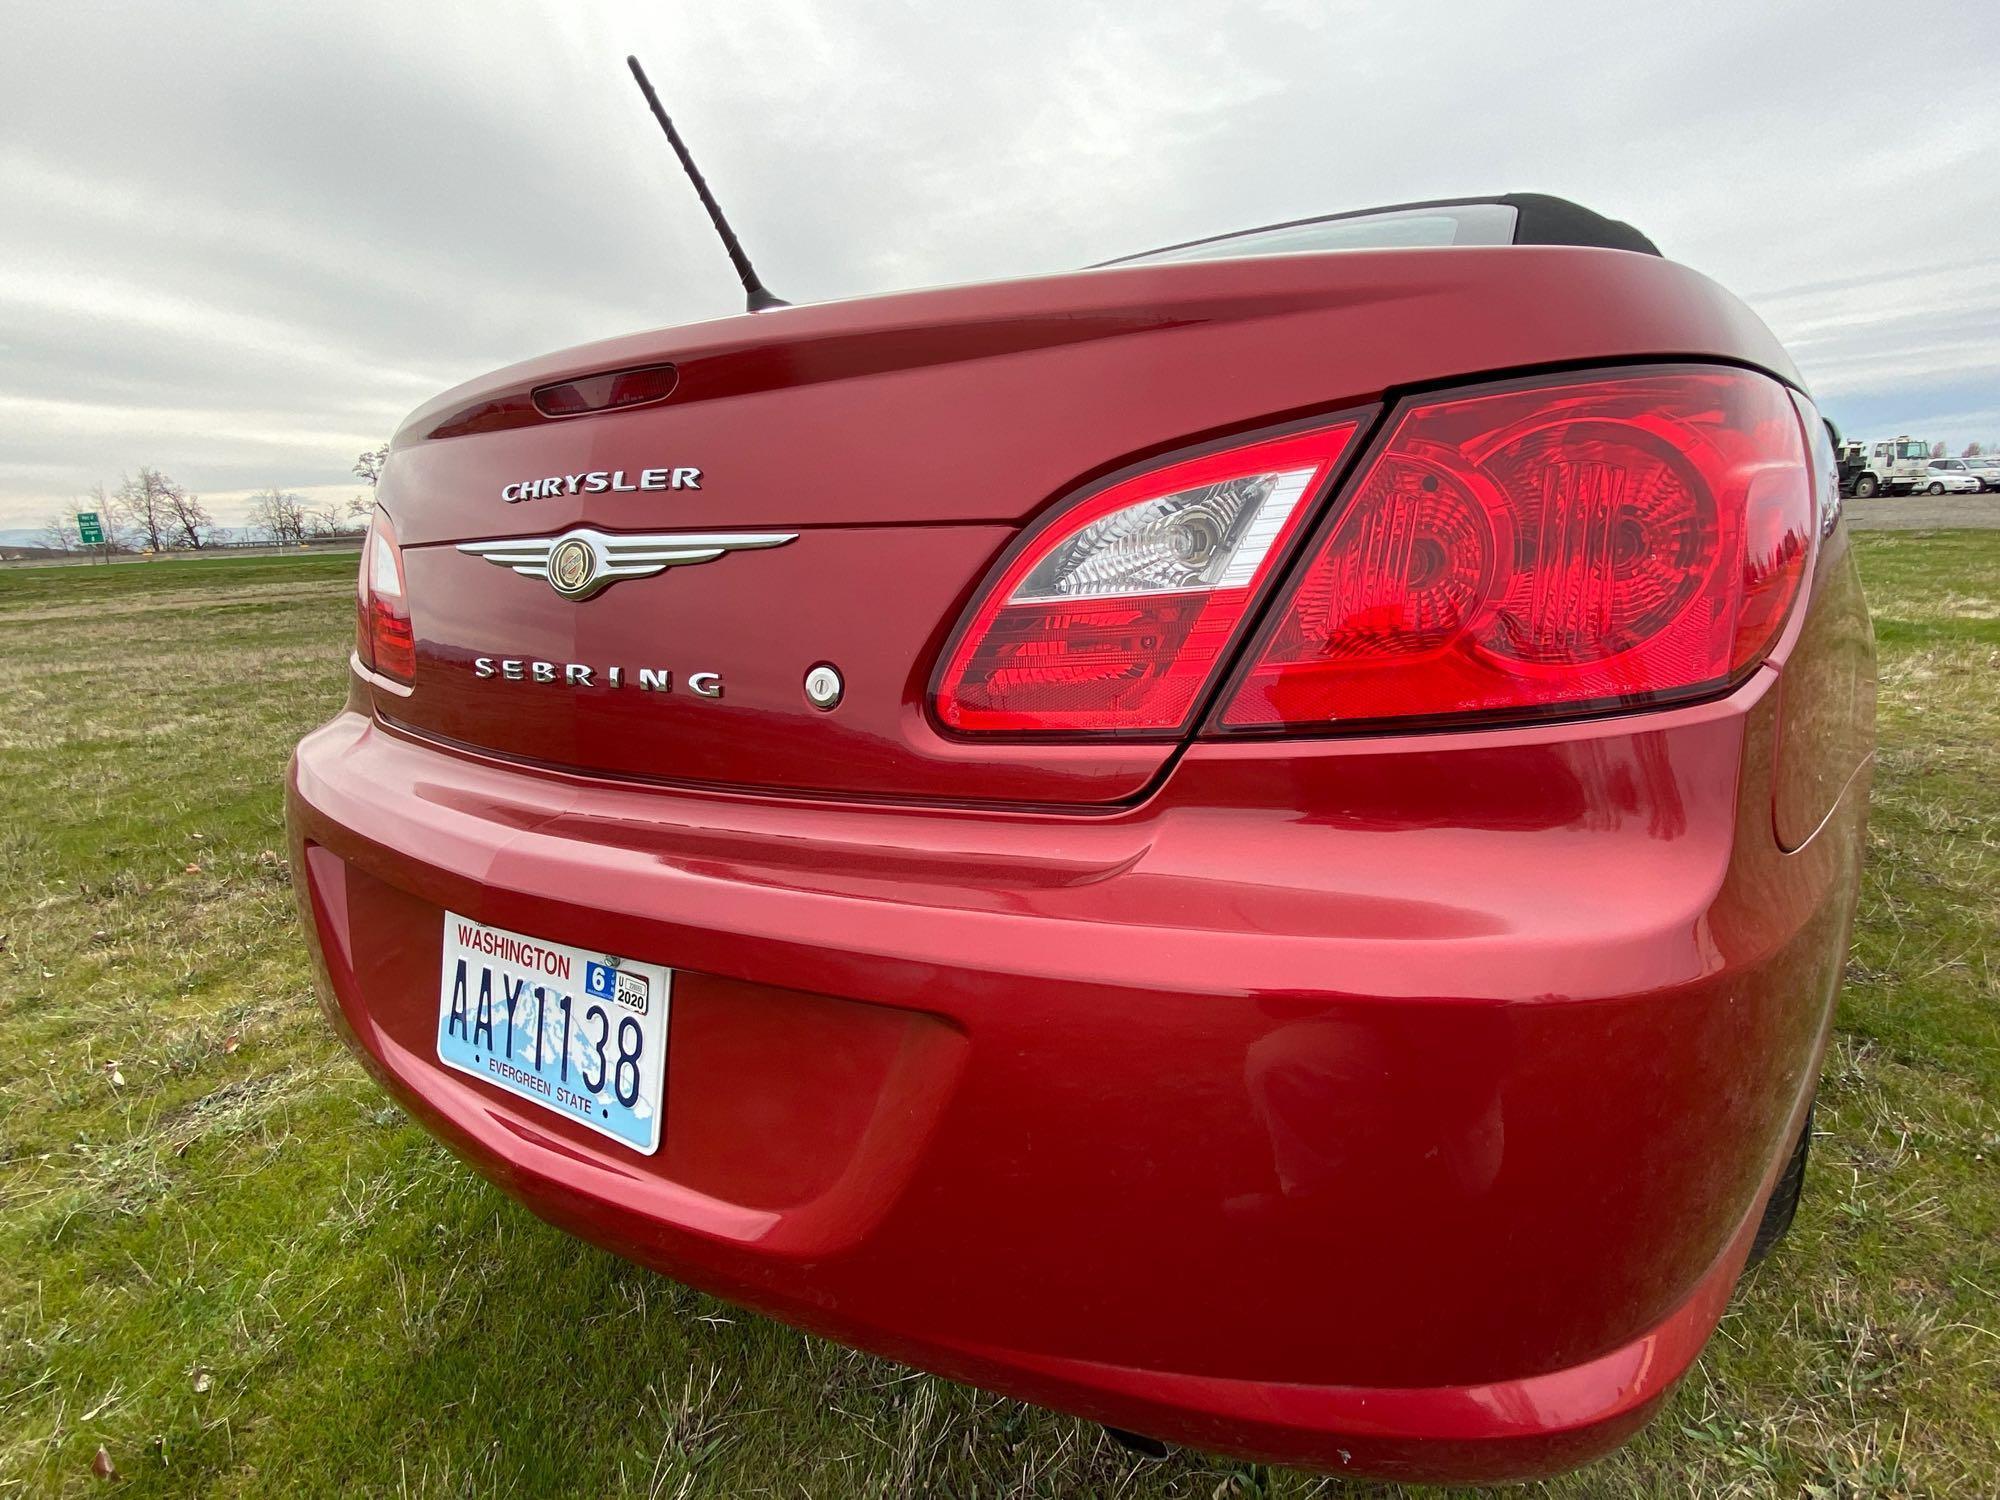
1399,1107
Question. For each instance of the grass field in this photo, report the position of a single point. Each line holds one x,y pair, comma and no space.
231,1267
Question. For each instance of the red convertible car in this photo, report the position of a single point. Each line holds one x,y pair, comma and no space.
1255,843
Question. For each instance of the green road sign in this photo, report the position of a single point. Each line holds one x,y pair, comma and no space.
89,530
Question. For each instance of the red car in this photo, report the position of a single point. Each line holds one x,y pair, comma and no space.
1256,843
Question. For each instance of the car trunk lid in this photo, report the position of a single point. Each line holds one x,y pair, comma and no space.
851,472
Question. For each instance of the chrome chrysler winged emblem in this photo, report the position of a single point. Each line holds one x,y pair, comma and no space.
581,562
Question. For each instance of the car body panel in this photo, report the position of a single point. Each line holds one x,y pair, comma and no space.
1330,1025
920,431
1398,1103
983,403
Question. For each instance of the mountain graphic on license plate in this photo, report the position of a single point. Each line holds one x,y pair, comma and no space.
578,1033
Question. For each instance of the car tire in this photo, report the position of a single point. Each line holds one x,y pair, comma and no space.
1783,1204
1935,488
1865,488
1139,1445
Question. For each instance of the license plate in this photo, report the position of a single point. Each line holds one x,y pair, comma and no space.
582,1034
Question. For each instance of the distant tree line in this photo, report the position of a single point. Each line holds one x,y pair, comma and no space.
151,512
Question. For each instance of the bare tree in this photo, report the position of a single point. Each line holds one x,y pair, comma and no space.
59,533
325,521
1972,450
369,468
278,514
369,465
1938,450
135,506
192,524
159,512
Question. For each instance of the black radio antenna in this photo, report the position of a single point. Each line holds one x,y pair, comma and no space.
758,294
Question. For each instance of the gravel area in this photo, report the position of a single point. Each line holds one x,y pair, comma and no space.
1924,512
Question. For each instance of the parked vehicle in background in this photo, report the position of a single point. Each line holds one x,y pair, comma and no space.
1850,459
1208,841
1888,466
1985,470
1950,476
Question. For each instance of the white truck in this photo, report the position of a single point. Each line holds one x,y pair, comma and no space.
1888,466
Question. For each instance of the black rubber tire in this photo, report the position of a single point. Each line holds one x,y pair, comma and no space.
1865,488
1138,1444
1935,489
1783,1205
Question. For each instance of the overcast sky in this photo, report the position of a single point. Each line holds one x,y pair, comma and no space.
239,241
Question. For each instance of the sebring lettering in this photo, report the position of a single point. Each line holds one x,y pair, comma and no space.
578,674
601,481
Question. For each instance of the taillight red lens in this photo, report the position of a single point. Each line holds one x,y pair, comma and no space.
1551,548
1116,613
383,638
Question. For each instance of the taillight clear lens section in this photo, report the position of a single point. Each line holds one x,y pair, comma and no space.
1115,615
1554,548
384,639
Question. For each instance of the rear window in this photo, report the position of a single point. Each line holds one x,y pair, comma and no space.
1456,224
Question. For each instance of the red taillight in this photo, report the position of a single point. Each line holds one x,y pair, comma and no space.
1574,544
1115,615
383,638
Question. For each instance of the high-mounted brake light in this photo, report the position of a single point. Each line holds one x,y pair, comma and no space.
383,637
1565,546
606,392
1115,614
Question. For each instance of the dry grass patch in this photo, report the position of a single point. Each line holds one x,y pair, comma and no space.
225,1258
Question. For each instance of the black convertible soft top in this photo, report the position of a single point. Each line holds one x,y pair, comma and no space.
1538,219
1548,220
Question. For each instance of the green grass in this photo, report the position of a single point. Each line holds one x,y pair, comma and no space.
229,1262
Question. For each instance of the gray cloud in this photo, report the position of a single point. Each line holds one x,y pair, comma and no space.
241,240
